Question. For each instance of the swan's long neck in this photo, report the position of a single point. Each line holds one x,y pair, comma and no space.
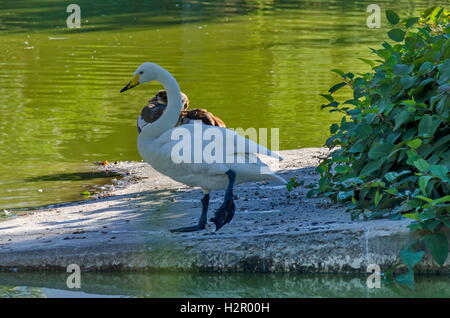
170,116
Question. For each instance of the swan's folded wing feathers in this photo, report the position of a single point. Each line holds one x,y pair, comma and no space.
251,145
233,143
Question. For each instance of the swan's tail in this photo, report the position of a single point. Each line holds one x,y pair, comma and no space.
274,155
269,175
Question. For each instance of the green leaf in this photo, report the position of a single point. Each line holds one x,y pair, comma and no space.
349,75
408,82
363,130
437,244
415,143
292,183
393,191
427,126
371,63
339,72
427,215
446,222
376,184
334,128
410,258
401,119
426,67
343,169
370,167
332,104
312,193
411,21
397,35
411,42
353,181
427,12
444,70
439,171
391,176
415,226
424,198
378,197
336,87
436,15
401,70
414,203
413,216
356,148
421,165
441,200
379,151
339,158
392,17
328,97
353,102
430,224
423,182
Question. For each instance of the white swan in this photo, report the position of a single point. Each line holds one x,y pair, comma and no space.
231,164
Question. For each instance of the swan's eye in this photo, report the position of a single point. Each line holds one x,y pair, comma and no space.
141,72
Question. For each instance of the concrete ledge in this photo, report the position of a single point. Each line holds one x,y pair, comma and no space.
273,230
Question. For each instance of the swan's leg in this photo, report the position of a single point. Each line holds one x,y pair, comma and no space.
226,211
202,220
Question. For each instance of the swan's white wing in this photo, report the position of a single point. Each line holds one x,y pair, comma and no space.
231,143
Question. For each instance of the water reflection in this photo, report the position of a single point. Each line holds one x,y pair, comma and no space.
214,285
20,292
72,176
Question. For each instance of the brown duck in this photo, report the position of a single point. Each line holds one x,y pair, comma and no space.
158,104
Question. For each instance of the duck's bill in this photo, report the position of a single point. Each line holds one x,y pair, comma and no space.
133,83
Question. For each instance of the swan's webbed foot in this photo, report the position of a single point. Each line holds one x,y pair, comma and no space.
226,211
201,223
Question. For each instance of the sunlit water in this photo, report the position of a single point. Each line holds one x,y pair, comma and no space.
255,64
214,285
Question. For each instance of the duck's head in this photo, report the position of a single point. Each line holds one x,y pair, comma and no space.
161,97
146,72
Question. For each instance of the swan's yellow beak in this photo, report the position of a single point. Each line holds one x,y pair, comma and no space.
134,82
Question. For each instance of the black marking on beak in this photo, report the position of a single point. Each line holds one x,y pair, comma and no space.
128,86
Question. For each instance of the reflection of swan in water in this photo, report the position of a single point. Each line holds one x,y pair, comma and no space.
232,164
158,104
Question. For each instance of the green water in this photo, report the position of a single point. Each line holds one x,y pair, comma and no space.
213,285
253,63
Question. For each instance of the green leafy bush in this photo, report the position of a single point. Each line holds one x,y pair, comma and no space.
392,154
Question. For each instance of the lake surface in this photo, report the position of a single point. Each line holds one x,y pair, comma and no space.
255,64
213,285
